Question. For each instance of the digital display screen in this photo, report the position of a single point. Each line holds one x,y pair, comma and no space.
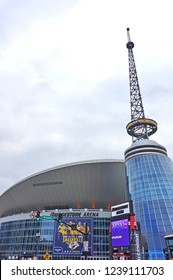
120,233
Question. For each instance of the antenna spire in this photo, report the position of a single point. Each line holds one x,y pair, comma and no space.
128,34
139,127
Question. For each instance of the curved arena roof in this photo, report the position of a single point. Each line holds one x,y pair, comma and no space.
88,184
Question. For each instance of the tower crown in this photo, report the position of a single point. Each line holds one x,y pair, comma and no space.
139,127
130,44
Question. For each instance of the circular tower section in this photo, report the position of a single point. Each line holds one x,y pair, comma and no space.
149,173
150,186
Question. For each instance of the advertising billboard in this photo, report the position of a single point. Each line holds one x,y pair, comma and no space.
68,240
122,208
120,233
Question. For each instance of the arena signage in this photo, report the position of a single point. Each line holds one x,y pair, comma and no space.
77,214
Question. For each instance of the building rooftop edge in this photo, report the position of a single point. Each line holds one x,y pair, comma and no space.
64,166
144,142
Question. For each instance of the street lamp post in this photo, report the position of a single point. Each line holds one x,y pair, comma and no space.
37,239
85,242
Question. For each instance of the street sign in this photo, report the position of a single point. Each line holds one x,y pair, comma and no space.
55,215
32,215
46,256
47,217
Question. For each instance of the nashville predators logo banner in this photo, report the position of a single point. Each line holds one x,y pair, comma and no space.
71,236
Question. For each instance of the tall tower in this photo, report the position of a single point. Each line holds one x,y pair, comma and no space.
139,127
149,173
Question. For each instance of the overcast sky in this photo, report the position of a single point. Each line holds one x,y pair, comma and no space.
64,89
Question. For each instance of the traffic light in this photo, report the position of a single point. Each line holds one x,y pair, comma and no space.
60,218
37,217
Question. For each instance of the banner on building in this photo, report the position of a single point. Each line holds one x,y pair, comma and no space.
69,236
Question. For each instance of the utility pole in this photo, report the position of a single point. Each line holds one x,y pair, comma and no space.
37,239
85,242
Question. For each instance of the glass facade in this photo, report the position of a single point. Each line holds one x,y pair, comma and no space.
36,238
150,186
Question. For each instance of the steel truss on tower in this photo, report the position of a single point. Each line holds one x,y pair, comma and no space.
139,127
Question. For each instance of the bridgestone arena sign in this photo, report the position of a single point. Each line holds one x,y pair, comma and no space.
78,214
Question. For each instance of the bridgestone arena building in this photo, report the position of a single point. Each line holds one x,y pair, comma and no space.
82,192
